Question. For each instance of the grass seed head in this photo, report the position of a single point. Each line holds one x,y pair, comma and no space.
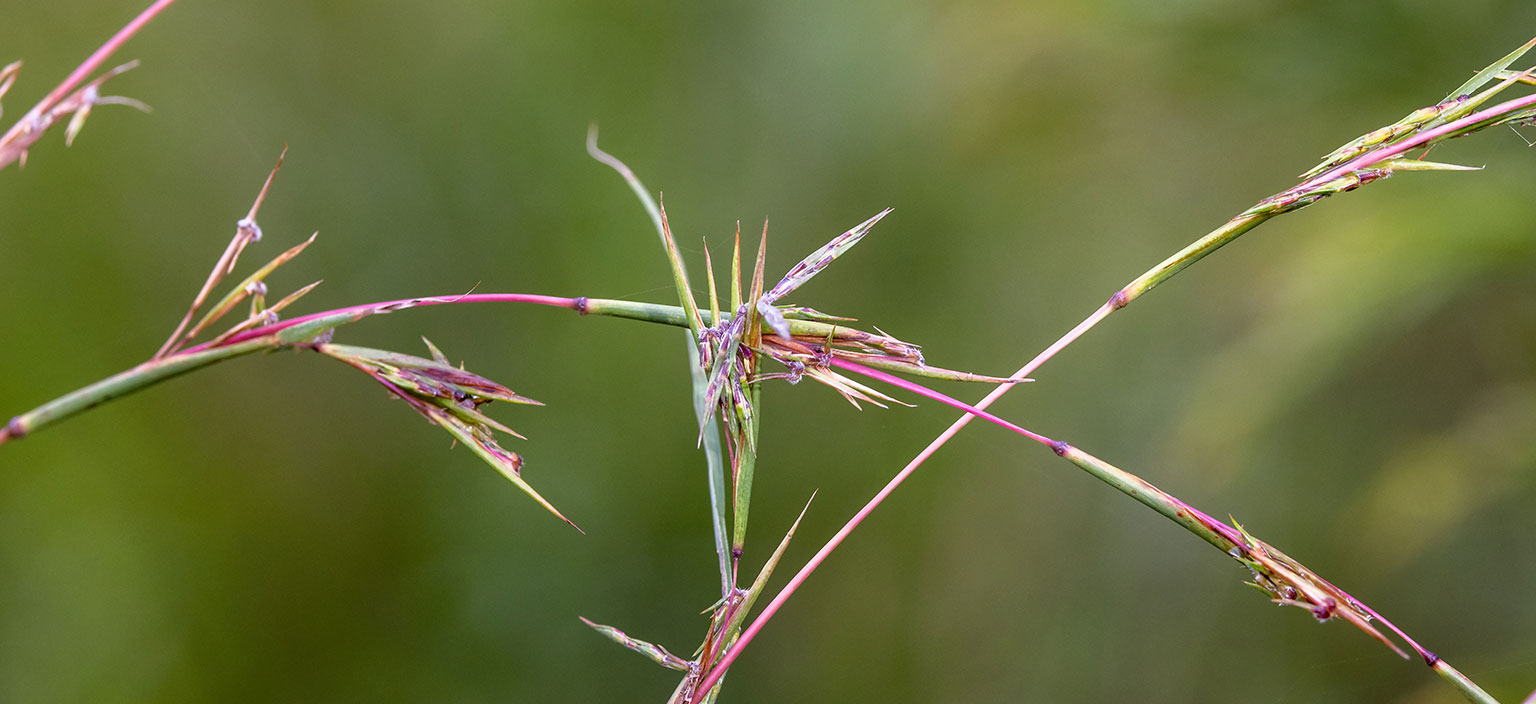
447,396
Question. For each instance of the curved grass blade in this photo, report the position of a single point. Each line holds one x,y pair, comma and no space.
656,653
1491,72
709,436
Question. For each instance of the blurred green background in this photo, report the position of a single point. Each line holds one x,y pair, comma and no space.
1355,382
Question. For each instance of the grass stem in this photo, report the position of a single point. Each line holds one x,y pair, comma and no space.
1463,684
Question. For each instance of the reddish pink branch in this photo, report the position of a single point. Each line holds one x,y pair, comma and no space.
921,390
1420,139
575,304
95,60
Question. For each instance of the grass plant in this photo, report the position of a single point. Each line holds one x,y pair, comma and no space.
738,342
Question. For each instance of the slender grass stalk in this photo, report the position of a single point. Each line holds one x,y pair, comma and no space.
1467,687
124,383
401,304
267,337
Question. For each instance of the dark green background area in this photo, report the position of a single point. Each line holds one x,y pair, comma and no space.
1355,382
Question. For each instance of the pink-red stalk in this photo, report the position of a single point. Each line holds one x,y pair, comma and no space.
557,301
1420,139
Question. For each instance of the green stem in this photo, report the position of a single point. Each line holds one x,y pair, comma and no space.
1158,500
1196,251
303,328
677,317
157,370
127,382
1467,687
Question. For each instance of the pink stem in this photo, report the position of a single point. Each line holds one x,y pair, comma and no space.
1398,149
575,304
942,398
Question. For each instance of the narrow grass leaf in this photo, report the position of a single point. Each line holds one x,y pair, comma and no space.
893,364
736,271
679,273
1461,108
753,317
709,436
656,653
1489,73
245,287
807,313
1406,164
709,272
809,267
761,582
714,468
